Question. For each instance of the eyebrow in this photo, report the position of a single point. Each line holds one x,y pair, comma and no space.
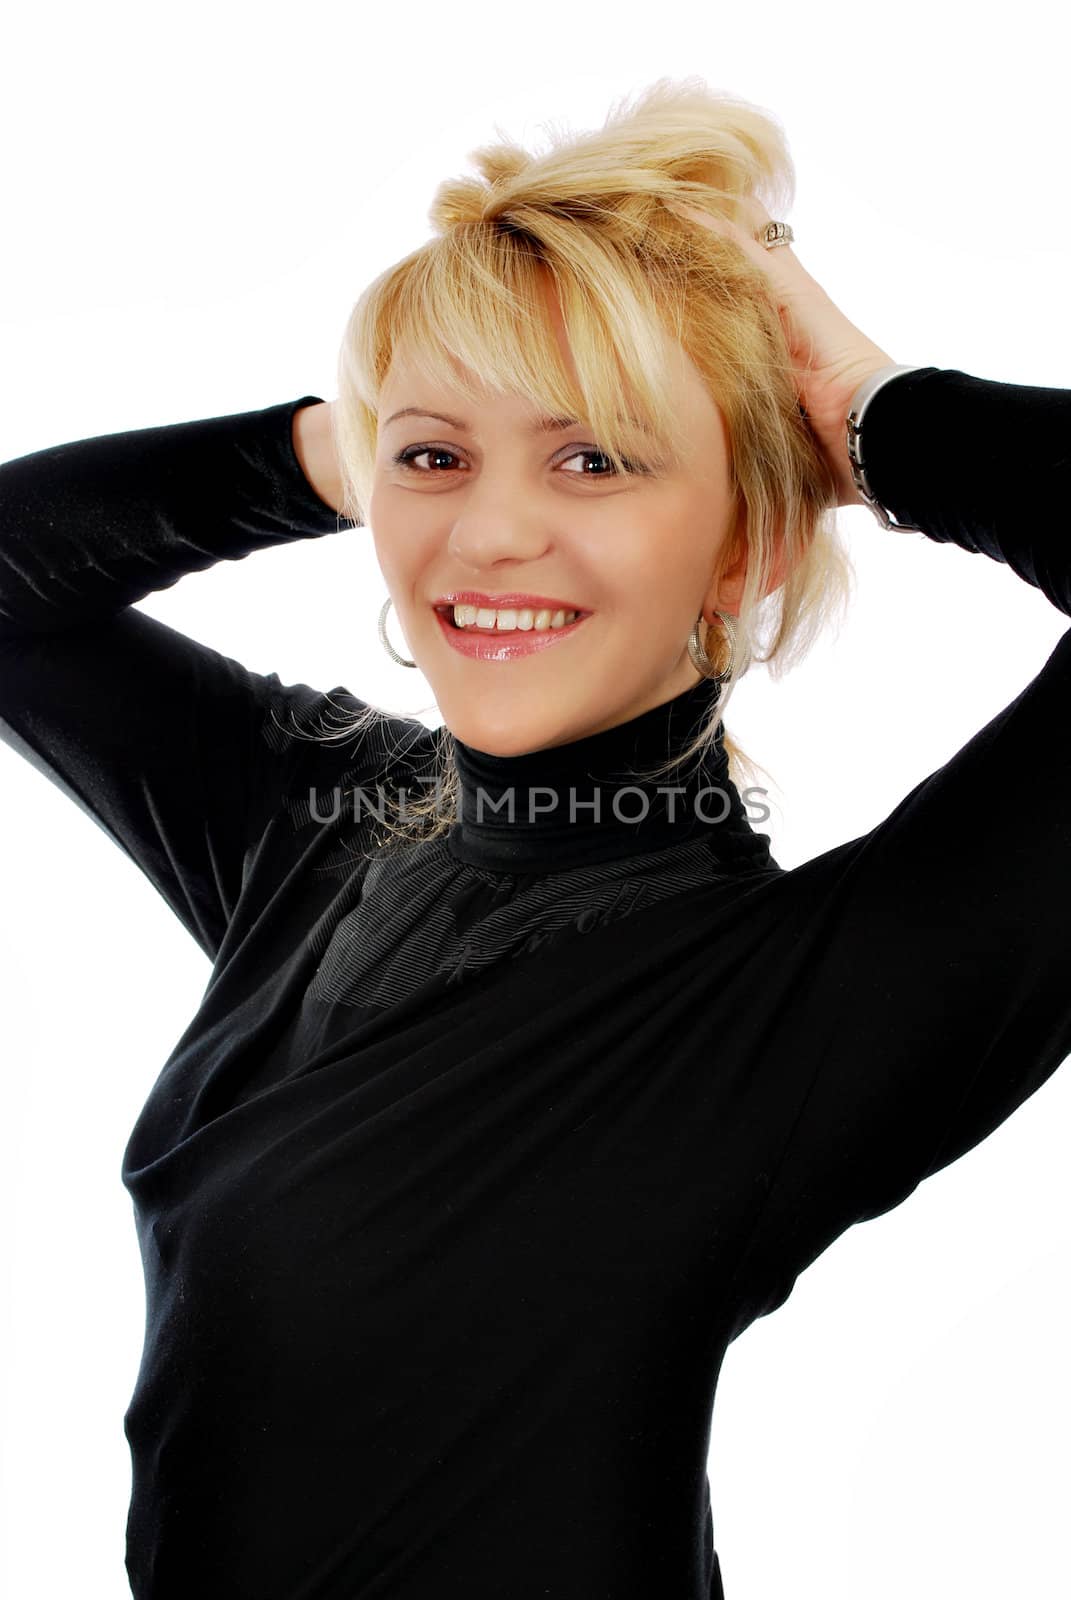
541,424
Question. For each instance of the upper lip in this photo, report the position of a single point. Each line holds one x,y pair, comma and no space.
501,602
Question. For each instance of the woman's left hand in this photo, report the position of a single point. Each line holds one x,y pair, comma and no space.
830,355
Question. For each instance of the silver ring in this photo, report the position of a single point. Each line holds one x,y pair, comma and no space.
775,233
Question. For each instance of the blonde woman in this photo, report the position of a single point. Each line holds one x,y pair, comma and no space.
525,1079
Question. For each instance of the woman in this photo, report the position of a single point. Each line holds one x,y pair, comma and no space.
511,1103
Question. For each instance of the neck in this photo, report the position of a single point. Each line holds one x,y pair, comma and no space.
595,799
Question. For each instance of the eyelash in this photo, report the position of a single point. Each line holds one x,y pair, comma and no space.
404,459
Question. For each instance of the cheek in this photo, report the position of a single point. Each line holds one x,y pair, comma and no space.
662,569
384,545
684,550
407,560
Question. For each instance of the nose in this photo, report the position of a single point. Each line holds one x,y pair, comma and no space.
491,532
498,522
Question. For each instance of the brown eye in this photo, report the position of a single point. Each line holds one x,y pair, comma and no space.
405,459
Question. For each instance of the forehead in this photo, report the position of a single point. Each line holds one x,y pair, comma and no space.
409,383
461,396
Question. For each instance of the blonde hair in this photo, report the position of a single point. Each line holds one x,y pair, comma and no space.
592,212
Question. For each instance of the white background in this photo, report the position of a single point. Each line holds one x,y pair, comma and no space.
193,198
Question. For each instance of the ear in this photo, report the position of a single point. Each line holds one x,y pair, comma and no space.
726,591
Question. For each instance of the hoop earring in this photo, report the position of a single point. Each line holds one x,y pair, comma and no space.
388,647
697,650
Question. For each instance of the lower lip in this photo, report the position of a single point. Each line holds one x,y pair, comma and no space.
486,645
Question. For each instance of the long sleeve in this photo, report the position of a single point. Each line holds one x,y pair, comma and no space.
171,747
934,950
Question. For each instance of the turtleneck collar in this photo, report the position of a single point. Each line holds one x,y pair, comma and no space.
582,802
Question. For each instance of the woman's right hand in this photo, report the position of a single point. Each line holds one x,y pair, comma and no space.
314,446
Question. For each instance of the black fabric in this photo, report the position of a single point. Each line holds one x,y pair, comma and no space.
471,1164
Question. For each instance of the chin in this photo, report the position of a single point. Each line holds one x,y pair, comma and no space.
515,736
514,741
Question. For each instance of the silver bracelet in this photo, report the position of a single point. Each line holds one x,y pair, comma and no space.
856,412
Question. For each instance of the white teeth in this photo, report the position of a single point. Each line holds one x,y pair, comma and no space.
510,620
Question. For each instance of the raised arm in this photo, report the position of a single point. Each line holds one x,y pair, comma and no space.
171,747
937,947
935,955
89,527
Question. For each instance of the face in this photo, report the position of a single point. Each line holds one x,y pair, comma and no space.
527,519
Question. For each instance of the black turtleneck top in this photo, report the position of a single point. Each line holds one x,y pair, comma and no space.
479,1152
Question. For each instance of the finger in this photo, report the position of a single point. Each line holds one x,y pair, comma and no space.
787,279
746,233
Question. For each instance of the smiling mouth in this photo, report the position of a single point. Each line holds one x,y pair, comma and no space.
570,618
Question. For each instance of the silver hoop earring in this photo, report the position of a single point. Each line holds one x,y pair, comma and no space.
388,647
697,650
